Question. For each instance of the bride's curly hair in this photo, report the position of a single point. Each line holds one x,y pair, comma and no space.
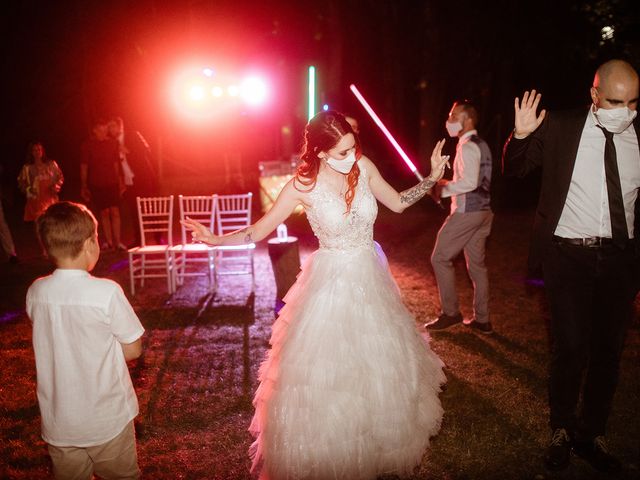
322,133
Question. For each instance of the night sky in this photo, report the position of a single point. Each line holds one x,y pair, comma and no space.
66,63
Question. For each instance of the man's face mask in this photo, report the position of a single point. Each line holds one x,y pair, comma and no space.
453,128
616,120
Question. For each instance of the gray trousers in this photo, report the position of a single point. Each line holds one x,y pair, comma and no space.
466,232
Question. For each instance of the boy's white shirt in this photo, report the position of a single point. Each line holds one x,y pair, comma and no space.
84,389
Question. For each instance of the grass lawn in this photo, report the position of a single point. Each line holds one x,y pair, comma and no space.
197,375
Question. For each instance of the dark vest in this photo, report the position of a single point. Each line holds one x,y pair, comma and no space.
480,198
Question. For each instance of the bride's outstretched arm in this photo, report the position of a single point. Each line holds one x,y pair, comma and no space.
398,201
288,199
413,194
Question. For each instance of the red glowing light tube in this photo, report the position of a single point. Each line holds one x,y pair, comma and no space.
386,132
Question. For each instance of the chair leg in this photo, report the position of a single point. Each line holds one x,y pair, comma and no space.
211,265
175,273
131,275
174,278
142,269
177,264
216,267
169,272
178,271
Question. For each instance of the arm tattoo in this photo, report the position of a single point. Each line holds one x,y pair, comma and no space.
247,235
413,194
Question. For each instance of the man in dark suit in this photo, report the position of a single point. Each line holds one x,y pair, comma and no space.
583,239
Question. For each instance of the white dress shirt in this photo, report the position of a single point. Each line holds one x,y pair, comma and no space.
84,389
586,209
466,170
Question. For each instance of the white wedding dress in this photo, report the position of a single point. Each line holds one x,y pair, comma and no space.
349,389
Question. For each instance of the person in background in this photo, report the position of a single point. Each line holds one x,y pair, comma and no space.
469,224
6,240
102,182
116,132
129,208
40,180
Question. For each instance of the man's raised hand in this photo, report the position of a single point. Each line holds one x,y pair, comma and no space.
526,119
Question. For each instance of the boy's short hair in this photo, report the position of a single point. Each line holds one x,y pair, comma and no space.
63,229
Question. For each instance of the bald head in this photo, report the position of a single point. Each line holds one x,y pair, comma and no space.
615,85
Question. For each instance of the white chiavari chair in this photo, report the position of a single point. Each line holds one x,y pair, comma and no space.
152,259
188,257
234,213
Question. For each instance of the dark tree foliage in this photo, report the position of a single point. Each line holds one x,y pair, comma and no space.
66,63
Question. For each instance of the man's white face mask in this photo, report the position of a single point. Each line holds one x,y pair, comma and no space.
616,120
343,166
453,128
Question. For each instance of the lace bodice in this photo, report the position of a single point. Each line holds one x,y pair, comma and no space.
336,230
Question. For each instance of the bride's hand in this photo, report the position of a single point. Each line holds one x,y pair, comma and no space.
200,233
438,161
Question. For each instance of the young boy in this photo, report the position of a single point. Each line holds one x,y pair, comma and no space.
84,331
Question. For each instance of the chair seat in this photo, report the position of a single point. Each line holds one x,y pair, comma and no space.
192,248
150,249
229,248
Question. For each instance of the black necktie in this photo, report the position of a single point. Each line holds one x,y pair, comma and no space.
614,192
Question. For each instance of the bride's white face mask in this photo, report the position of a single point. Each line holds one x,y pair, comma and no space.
343,155
343,166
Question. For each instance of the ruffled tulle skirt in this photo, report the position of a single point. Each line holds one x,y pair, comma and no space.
349,389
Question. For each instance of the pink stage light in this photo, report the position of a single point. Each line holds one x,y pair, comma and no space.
202,93
386,132
233,90
254,91
196,93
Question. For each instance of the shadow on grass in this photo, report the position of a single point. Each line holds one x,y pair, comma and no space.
23,414
212,356
25,464
535,354
496,447
472,343
206,312
490,445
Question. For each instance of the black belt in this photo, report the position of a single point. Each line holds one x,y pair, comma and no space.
591,242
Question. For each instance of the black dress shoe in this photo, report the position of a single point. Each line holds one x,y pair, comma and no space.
596,453
443,321
558,451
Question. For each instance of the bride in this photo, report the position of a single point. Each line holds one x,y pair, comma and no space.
349,389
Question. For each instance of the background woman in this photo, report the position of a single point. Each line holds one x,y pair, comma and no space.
40,179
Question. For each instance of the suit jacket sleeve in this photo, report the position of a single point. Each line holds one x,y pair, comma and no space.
521,156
